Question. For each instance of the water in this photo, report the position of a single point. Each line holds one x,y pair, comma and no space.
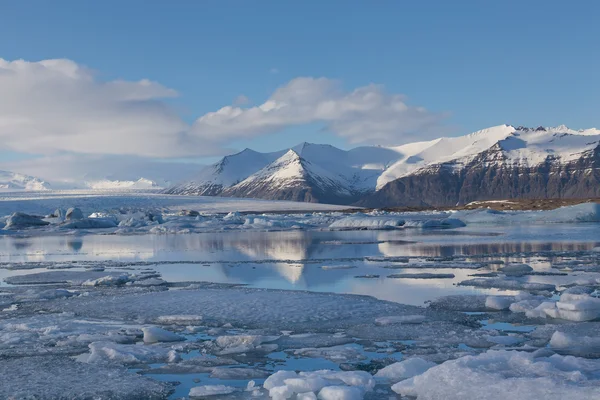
318,260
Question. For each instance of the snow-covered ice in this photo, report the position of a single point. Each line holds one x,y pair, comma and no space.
117,310
506,375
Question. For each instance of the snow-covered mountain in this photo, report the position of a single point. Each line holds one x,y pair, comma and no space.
10,181
306,172
494,163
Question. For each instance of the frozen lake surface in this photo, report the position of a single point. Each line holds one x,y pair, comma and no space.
300,306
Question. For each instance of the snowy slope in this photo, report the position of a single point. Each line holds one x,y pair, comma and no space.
524,146
10,181
291,177
358,169
364,170
227,172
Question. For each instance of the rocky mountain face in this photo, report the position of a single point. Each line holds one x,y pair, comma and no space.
445,185
501,162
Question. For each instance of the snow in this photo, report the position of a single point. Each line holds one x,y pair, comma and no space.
128,354
583,346
19,220
153,334
179,319
526,147
106,184
73,214
341,393
586,212
400,319
11,181
575,307
404,369
245,343
500,375
367,222
50,377
499,302
211,390
330,385
108,201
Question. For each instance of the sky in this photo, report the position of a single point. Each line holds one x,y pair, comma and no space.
132,84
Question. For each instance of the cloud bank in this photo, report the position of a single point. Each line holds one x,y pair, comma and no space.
58,106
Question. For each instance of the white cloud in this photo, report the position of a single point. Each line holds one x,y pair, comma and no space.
57,106
365,115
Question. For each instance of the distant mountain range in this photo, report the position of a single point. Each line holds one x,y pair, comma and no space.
10,181
501,162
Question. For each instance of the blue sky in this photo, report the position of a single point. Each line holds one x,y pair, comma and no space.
471,64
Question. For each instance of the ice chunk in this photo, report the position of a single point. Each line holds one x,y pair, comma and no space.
540,310
89,223
179,319
446,223
128,354
501,375
73,214
341,393
153,334
19,220
367,222
584,346
404,369
278,379
108,280
338,354
575,307
286,384
306,396
499,302
244,343
400,319
211,390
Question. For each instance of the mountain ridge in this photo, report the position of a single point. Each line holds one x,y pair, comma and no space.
435,172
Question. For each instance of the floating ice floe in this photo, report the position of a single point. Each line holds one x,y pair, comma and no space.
245,343
19,220
583,346
575,307
400,319
325,384
179,319
211,390
586,212
362,221
404,369
501,375
127,354
153,334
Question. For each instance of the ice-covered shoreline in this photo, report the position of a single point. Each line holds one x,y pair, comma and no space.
140,213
